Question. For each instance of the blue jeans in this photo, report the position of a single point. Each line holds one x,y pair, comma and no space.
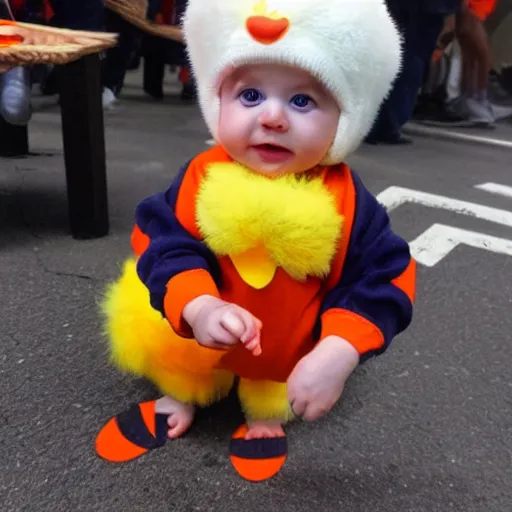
420,31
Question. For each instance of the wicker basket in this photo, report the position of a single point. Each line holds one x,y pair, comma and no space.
68,46
134,11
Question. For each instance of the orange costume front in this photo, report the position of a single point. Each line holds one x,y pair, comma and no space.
176,263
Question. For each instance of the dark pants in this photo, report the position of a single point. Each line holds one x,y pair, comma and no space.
119,57
78,14
130,39
420,31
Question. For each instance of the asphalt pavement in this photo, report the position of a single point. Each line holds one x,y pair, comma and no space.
425,428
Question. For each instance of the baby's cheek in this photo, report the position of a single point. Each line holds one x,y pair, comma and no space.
315,144
323,138
229,124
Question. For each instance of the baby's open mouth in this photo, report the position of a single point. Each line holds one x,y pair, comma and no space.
272,153
272,147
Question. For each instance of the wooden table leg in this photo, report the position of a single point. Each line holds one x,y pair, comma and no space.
84,146
13,139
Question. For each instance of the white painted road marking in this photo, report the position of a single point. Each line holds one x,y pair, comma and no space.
439,240
447,134
393,197
496,188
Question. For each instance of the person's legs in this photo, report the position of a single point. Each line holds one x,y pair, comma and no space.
476,59
154,54
422,43
420,32
387,126
454,80
15,89
117,59
483,57
32,11
15,96
75,15
154,7
79,15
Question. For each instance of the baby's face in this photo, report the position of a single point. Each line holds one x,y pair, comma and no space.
276,119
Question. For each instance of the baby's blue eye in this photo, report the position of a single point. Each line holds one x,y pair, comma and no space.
302,101
251,97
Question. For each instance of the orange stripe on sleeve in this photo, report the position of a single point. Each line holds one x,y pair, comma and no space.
407,280
182,289
358,331
140,241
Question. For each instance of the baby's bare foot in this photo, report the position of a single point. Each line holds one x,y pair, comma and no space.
264,429
180,415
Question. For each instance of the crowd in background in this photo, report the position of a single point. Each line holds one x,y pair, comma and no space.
429,29
449,33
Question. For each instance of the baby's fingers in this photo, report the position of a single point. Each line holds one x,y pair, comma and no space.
254,346
233,323
252,335
252,327
246,328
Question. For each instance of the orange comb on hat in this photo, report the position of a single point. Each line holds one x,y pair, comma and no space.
267,30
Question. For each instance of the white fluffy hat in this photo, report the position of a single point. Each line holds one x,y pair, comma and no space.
351,46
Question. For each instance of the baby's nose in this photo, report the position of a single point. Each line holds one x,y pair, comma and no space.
274,117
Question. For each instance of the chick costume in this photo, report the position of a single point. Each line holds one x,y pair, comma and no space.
310,255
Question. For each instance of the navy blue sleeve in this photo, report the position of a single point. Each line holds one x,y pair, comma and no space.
372,302
172,250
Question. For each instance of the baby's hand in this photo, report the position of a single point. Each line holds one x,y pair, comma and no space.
318,379
221,325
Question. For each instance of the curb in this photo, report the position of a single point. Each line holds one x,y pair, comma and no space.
450,134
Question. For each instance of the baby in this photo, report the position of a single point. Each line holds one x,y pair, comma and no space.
266,259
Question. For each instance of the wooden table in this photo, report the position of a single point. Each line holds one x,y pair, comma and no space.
83,136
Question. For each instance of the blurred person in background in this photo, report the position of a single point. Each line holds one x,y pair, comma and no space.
15,83
463,88
420,23
473,103
158,52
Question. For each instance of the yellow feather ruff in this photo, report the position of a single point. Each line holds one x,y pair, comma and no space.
264,400
294,217
143,343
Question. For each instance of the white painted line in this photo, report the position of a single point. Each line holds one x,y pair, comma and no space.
496,188
393,197
210,142
439,240
442,133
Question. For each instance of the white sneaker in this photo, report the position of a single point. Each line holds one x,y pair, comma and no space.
501,111
108,98
480,111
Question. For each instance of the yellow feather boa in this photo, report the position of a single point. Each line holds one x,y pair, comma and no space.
293,217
